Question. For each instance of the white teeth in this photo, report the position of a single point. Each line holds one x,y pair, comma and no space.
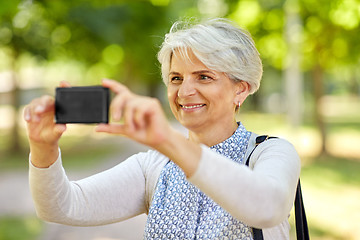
192,106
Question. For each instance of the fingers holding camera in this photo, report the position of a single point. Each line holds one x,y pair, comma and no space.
122,105
43,133
114,86
64,84
142,113
123,95
37,108
144,122
39,115
143,117
136,112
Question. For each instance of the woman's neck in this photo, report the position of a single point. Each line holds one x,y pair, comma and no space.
213,136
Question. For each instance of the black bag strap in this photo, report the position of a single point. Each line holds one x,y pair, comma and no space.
302,231
259,140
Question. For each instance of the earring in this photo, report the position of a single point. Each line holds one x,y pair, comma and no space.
239,104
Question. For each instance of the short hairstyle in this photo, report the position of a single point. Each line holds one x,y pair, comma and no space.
219,44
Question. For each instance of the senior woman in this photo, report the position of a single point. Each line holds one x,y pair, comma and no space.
195,187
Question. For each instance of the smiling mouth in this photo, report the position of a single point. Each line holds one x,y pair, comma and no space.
192,106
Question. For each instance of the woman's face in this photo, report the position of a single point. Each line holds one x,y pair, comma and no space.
200,97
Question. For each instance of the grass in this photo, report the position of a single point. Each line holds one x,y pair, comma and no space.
331,172
16,228
81,150
331,189
78,157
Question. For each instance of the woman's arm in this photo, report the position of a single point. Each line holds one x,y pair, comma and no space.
43,133
262,196
60,200
107,197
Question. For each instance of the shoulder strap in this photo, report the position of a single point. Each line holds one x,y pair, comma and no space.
259,140
302,231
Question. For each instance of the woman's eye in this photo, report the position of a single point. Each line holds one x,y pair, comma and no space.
204,77
175,79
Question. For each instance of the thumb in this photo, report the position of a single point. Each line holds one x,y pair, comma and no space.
111,128
59,129
65,84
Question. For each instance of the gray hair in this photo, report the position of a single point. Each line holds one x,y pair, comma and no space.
219,44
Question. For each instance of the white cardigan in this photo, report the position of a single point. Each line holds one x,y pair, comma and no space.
260,195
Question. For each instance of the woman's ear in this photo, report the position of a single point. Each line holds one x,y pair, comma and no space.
242,91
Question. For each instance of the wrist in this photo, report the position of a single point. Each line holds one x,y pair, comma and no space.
186,154
43,155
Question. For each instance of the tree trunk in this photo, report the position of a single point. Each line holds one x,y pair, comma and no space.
318,80
292,75
354,86
15,98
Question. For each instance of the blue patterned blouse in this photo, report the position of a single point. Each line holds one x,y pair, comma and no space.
180,210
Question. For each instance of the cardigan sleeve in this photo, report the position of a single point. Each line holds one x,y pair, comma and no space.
110,196
261,195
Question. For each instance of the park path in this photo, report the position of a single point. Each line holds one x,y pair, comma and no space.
15,200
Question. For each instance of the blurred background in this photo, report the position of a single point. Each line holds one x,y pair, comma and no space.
310,94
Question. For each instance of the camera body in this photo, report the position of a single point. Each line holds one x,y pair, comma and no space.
82,105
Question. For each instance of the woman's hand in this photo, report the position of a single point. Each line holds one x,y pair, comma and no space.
43,133
143,119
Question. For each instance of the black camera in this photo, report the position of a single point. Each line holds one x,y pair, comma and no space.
82,104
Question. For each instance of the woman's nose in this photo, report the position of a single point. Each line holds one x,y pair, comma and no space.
187,88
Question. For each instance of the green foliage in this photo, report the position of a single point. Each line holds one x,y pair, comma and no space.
83,30
330,33
84,41
330,172
16,228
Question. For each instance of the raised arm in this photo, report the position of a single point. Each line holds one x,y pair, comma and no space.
43,133
110,196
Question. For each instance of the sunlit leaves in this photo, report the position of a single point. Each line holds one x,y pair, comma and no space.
340,47
30,29
266,26
273,20
160,2
273,49
247,13
125,35
9,8
314,25
113,54
5,35
60,35
212,8
346,13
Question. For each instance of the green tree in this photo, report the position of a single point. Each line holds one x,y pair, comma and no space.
119,39
114,39
17,37
331,30
328,42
